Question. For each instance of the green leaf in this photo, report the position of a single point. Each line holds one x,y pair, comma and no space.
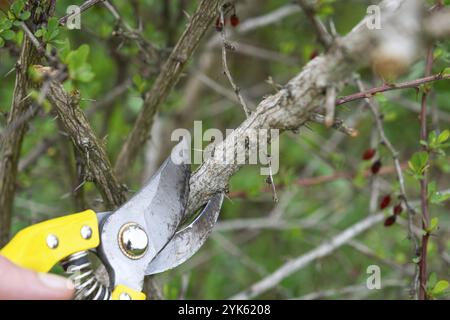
432,280
444,136
5,24
79,69
416,260
79,56
433,225
85,74
25,15
439,288
52,24
17,7
39,33
438,197
8,34
2,42
418,163
52,29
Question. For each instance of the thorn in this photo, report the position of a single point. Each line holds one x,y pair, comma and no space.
9,72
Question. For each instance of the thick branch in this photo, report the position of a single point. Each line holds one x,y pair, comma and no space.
11,143
97,164
292,106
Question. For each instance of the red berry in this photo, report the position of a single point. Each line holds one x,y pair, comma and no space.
385,202
398,209
369,154
219,25
376,167
234,20
390,221
313,55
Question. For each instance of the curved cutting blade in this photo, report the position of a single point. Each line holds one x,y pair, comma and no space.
189,240
158,208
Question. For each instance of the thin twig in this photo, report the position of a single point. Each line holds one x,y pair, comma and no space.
338,124
85,6
323,35
300,262
389,87
226,46
151,51
314,181
347,290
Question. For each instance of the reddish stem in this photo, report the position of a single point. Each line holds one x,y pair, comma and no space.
423,276
389,87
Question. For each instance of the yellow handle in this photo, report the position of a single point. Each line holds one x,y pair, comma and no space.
124,293
41,246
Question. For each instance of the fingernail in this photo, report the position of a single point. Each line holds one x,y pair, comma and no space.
55,282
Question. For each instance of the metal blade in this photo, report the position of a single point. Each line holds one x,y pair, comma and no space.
101,217
156,209
189,240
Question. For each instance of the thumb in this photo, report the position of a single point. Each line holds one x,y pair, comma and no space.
17,283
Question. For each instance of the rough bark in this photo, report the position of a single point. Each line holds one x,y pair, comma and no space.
96,161
17,123
94,156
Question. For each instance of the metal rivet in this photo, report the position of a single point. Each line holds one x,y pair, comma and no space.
124,296
86,232
52,241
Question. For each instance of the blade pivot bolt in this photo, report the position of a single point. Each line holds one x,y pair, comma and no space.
133,241
52,241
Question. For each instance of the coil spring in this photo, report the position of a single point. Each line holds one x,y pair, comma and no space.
87,287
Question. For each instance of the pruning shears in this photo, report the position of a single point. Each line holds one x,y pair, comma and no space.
142,237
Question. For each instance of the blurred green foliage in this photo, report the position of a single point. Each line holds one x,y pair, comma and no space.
99,61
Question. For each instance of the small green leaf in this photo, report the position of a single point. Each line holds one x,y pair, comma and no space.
439,197
5,24
8,34
444,136
440,287
79,69
432,280
418,163
25,15
17,7
52,24
433,225
39,33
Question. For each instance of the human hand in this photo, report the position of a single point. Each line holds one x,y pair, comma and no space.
17,283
